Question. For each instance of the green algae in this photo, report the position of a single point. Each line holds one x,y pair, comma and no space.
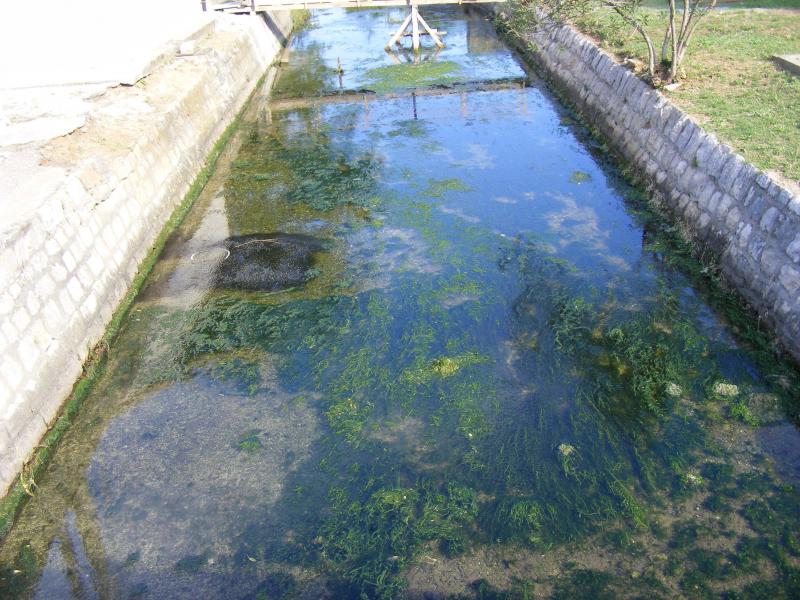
250,441
393,78
437,188
371,540
442,367
579,177
302,167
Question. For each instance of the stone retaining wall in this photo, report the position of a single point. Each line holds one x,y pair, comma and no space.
749,221
104,195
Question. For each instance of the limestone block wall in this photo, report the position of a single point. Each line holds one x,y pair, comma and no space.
749,220
104,194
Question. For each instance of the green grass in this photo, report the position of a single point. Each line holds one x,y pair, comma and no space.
731,84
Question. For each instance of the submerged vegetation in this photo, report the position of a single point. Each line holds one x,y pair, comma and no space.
394,78
440,397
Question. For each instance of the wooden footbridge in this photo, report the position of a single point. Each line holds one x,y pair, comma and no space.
413,22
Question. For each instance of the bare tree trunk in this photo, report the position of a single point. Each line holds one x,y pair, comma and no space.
651,51
673,66
669,36
688,28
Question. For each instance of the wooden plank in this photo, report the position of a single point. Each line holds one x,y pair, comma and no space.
399,33
264,5
414,28
359,97
431,32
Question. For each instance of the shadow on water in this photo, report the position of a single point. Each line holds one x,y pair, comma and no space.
423,347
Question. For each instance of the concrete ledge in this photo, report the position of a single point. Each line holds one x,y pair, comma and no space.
748,219
790,62
88,207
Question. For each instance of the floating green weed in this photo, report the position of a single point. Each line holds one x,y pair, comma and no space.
579,177
442,367
437,188
395,78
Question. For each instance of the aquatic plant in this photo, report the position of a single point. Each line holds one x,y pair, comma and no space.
368,542
442,367
394,78
579,177
308,166
250,441
437,188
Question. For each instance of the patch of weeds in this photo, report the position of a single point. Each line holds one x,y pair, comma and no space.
442,368
276,586
242,373
437,188
718,475
740,411
18,578
395,78
191,563
579,177
368,541
311,167
585,583
347,417
684,535
250,441
717,504
413,128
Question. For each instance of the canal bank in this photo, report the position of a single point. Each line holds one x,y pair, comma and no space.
744,223
95,158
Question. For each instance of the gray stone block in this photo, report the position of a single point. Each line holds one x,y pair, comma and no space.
771,262
714,202
717,159
794,206
733,218
769,219
693,145
790,279
743,234
729,173
756,247
689,129
675,132
742,184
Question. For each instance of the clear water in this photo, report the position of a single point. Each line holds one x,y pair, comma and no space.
422,345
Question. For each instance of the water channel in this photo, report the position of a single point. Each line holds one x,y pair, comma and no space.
423,345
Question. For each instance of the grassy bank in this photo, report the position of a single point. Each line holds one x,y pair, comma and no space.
731,84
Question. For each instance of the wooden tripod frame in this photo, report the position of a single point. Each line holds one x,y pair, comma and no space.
415,20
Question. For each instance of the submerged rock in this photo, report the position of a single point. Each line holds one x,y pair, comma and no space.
727,390
267,261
